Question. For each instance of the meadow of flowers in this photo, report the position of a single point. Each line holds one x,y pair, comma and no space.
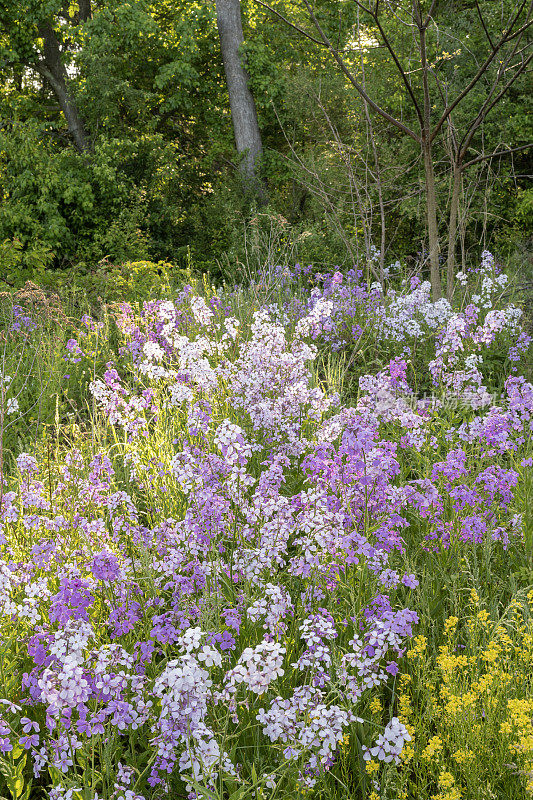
285,548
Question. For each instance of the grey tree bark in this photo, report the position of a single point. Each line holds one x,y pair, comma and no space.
85,12
431,196
243,111
452,230
52,69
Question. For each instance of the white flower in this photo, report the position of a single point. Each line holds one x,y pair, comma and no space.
210,656
153,350
202,313
257,667
12,405
389,744
180,392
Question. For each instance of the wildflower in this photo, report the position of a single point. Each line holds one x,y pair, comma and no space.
433,747
26,463
375,705
105,567
450,625
12,405
372,767
390,743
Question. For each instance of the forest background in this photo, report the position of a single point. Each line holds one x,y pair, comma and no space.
117,145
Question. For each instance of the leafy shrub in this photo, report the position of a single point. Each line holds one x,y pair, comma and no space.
20,264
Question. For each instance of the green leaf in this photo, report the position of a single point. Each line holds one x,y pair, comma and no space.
240,793
17,787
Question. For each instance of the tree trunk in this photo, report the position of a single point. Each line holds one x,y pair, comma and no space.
85,12
431,215
53,71
452,231
431,196
243,111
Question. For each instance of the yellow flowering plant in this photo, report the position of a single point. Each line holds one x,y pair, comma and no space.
468,704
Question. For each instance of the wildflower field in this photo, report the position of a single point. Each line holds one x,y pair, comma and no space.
268,542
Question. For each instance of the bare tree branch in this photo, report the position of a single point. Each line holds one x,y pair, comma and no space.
342,64
482,20
504,39
497,153
430,14
488,106
375,17
290,24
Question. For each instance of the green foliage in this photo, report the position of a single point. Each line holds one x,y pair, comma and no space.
158,179
57,200
20,265
135,280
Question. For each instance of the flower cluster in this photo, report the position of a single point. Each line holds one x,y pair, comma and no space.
234,572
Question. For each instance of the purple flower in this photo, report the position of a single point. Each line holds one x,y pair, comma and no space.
105,566
27,742
71,602
410,581
29,725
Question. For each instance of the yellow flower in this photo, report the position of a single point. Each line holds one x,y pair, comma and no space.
434,746
447,785
505,728
407,753
492,652
418,648
463,756
450,625
405,706
484,684
372,767
451,794
446,780
375,705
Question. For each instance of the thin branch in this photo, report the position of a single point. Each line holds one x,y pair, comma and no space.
340,61
507,37
290,24
307,35
430,13
467,138
395,58
481,19
486,107
506,152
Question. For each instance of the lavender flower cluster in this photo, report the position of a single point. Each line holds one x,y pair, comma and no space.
230,574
